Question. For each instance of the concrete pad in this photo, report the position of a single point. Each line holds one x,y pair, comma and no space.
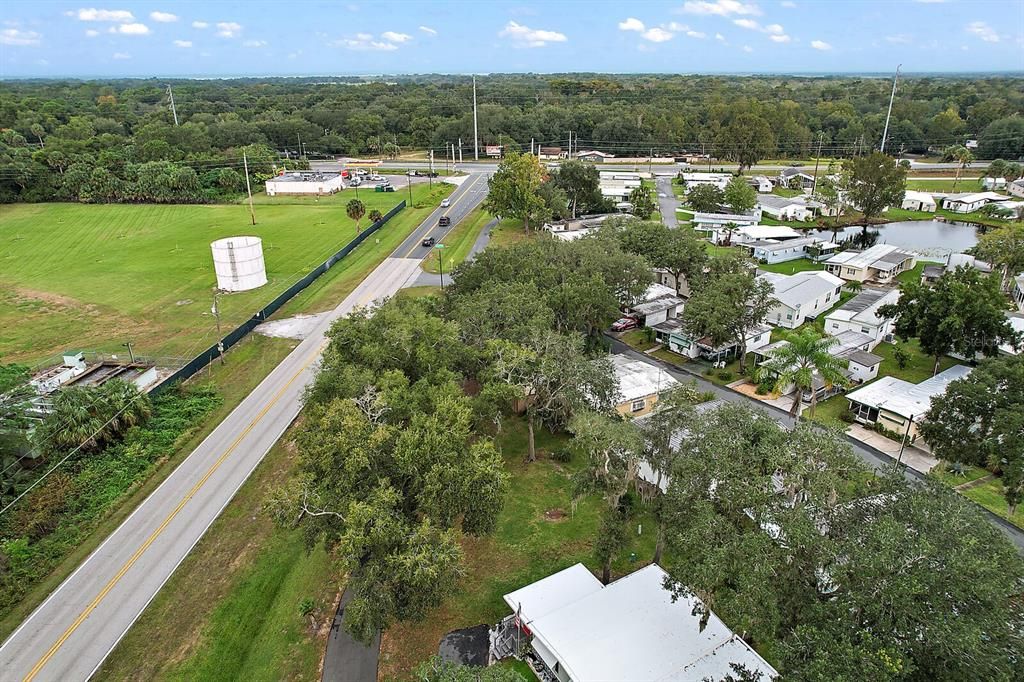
914,457
298,327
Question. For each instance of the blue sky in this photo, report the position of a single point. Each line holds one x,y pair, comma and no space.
359,37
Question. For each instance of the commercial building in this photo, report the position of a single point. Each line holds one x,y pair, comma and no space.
593,156
632,629
305,183
881,263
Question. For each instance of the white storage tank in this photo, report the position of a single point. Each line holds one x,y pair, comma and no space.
238,262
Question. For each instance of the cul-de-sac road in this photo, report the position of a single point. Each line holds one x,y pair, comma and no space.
70,634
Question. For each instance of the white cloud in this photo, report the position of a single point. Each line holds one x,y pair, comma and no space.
393,37
524,36
254,43
820,45
228,29
696,34
183,43
775,29
900,39
200,24
91,33
657,35
15,37
983,31
134,29
719,37
93,14
122,55
747,23
364,42
722,8
631,24
788,4
781,39
748,48
429,31
163,17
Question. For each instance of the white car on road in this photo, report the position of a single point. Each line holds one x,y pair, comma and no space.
445,203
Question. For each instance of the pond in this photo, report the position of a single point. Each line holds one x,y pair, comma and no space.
931,239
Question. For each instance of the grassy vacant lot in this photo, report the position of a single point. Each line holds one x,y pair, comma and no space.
232,610
981,486
539,532
792,267
459,241
508,232
94,276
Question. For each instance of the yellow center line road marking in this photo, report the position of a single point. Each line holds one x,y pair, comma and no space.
170,517
466,186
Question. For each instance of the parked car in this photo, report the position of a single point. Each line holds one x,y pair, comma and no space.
378,178
624,324
355,182
360,171
444,221
445,203
389,188
412,173
429,241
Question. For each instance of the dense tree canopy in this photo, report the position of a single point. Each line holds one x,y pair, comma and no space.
56,127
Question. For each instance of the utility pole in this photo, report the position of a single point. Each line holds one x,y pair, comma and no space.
216,314
408,184
446,171
570,145
814,185
430,173
299,138
174,111
892,96
248,188
460,150
476,133
650,162
453,157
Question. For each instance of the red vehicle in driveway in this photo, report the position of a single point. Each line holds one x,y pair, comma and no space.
624,324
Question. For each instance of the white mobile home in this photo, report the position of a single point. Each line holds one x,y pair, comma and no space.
918,201
784,208
880,263
305,182
802,296
860,314
899,405
968,202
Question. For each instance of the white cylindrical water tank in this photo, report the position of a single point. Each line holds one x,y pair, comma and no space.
238,262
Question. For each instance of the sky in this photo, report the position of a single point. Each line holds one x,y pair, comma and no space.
294,37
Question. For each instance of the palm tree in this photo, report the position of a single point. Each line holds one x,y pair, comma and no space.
796,364
356,210
728,229
963,156
375,216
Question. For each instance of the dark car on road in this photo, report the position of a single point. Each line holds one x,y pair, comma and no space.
444,221
429,241
624,324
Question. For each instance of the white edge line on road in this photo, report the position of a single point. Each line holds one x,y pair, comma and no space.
139,507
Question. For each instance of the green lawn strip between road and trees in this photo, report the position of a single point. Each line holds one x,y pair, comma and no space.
94,276
458,242
539,532
247,603
79,535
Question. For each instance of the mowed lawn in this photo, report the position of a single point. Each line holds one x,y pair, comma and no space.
92,277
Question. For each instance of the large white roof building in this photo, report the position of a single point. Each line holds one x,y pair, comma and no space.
628,630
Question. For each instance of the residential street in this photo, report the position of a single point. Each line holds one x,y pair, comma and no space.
669,203
71,633
873,458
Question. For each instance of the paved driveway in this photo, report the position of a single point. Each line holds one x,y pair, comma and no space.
347,659
669,203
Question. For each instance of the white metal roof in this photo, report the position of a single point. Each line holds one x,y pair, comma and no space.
637,379
757,232
867,258
796,291
904,398
863,307
923,197
972,197
775,201
724,218
538,599
633,630
1016,321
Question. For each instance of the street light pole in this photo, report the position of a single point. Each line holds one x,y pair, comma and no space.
903,443
892,96
440,262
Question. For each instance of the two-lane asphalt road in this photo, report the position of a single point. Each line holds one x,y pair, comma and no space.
70,634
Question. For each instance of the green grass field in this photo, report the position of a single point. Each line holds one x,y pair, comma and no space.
458,242
91,277
792,267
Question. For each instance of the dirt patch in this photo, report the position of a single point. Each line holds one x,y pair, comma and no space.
184,301
555,515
